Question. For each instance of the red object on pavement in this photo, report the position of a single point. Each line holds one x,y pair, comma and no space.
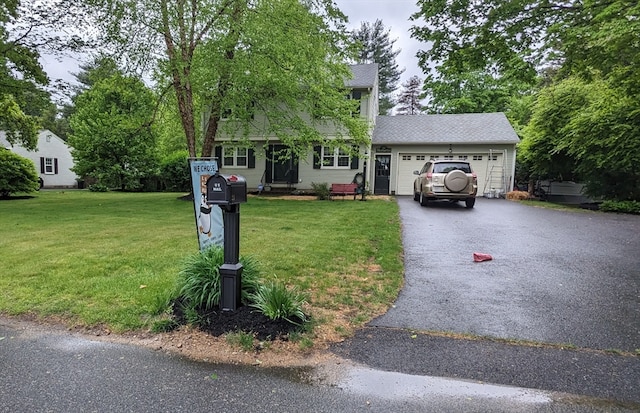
479,257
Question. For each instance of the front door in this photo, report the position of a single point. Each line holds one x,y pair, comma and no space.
280,169
382,175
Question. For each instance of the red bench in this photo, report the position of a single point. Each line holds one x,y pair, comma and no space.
344,189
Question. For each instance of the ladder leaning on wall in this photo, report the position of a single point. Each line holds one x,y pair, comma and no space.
495,184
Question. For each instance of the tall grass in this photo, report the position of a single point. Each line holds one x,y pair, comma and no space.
113,258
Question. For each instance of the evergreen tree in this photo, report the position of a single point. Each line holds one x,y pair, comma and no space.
409,100
375,46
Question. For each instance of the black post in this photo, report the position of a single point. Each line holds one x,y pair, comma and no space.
231,270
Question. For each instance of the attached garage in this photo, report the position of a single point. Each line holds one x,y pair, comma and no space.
405,143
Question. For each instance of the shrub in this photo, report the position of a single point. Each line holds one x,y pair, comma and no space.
98,187
17,174
277,302
199,279
174,170
627,207
322,190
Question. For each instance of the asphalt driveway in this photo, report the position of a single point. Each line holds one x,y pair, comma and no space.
556,276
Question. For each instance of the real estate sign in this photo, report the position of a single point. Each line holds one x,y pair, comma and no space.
209,224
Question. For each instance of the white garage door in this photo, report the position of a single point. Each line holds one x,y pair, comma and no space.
487,168
407,163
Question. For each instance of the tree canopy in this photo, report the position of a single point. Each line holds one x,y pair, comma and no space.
375,46
583,57
410,96
20,76
225,58
112,137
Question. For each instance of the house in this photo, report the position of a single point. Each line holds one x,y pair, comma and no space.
399,145
269,171
52,159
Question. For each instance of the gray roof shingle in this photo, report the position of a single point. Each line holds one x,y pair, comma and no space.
455,128
364,76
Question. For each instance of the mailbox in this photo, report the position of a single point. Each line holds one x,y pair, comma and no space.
226,189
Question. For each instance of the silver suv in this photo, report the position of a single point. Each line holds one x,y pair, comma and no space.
452,180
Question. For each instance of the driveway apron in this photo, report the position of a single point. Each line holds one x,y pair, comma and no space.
557,276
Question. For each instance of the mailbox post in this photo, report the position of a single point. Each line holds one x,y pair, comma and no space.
228,191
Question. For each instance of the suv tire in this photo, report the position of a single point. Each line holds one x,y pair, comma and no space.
423,199
416,196
456,180
469,202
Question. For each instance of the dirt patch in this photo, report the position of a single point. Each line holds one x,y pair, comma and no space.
195,344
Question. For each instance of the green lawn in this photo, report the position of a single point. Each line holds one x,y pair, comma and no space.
112,258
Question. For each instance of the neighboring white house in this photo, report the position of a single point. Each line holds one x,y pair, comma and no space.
399,145
52,159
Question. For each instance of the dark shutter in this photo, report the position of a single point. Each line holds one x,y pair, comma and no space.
355,161
41,165
218,154
55,166
252,159
317,157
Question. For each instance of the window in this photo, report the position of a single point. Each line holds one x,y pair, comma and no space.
493,157
335,158
477,157
356,95
448,157
420,157
434,157
49,166
462,157
235,157
406,157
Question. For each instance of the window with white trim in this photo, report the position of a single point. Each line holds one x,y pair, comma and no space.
49,166
235,157
420,157
406,157
477,157
448,157
462,157
493,157
434,157
335,158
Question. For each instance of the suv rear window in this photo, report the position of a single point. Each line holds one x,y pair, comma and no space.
443,168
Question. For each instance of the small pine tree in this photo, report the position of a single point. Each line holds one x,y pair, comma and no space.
409,100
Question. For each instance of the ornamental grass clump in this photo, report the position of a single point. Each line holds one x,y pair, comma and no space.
199,279
276,302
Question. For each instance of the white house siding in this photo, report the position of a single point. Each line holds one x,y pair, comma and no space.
52,147
306,173
406,159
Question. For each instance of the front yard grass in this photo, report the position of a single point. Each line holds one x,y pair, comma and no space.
111,259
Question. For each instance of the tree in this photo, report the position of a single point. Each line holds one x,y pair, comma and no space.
375,46
20,73
17,174
588,130
409,100
225,58
112,137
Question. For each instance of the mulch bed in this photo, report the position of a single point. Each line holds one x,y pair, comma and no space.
244,319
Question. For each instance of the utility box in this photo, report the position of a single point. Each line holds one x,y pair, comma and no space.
226,189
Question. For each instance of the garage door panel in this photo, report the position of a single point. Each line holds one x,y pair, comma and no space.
407,163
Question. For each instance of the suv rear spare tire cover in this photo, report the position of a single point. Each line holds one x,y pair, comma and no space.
456,180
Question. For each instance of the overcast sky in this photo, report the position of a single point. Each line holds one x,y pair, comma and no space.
395,18
393,13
